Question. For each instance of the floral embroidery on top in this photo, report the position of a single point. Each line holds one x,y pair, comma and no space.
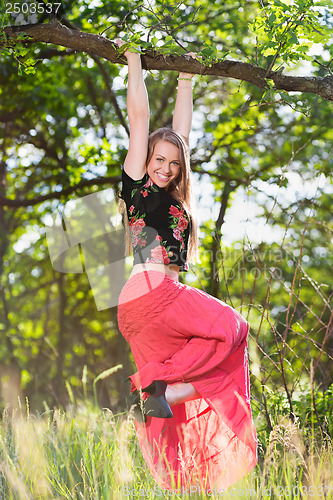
150,210
160,254
149,184
179,224
137,224
144,191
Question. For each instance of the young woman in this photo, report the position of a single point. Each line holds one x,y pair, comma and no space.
192,384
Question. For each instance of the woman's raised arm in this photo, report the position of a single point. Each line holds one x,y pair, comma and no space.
138,116
182,117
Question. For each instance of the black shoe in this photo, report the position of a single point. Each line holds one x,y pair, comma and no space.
156,405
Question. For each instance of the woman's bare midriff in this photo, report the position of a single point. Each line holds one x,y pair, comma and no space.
172,271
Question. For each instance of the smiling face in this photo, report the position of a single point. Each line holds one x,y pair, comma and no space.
164,164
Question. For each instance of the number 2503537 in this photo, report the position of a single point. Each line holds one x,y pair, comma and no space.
32,8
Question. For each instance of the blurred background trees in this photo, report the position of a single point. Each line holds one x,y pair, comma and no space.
262,165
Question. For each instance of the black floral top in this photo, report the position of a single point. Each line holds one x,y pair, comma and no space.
159,225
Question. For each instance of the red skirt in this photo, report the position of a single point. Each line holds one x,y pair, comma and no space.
180,334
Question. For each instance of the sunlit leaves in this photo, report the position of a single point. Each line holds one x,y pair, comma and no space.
59,127
287,30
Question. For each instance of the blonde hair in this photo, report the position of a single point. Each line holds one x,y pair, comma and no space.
182,186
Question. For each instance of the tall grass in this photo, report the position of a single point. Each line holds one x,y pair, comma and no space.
92,454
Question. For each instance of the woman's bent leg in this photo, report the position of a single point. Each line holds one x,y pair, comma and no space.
180,392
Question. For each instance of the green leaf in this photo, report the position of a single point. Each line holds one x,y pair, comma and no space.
283,6
268,52
293,37
135,38
30,70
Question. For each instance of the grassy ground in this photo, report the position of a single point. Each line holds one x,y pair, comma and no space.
87,453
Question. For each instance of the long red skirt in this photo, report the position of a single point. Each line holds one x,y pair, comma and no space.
180,334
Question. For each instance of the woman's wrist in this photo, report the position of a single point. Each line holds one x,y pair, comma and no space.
185,76
128,54
185,81
132,56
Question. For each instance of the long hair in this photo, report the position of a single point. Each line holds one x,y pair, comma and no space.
182,185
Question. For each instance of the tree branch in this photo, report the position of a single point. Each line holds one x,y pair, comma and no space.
96,45
17,202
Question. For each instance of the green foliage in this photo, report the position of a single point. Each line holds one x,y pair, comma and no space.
210,54
20,51
4,16
135,42
287,30
60,130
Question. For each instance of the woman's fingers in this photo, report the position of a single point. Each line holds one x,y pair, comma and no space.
187,76
192,54
119,42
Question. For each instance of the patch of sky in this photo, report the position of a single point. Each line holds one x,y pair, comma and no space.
29,238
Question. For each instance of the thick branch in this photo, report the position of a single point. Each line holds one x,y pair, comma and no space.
97,45
56,195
